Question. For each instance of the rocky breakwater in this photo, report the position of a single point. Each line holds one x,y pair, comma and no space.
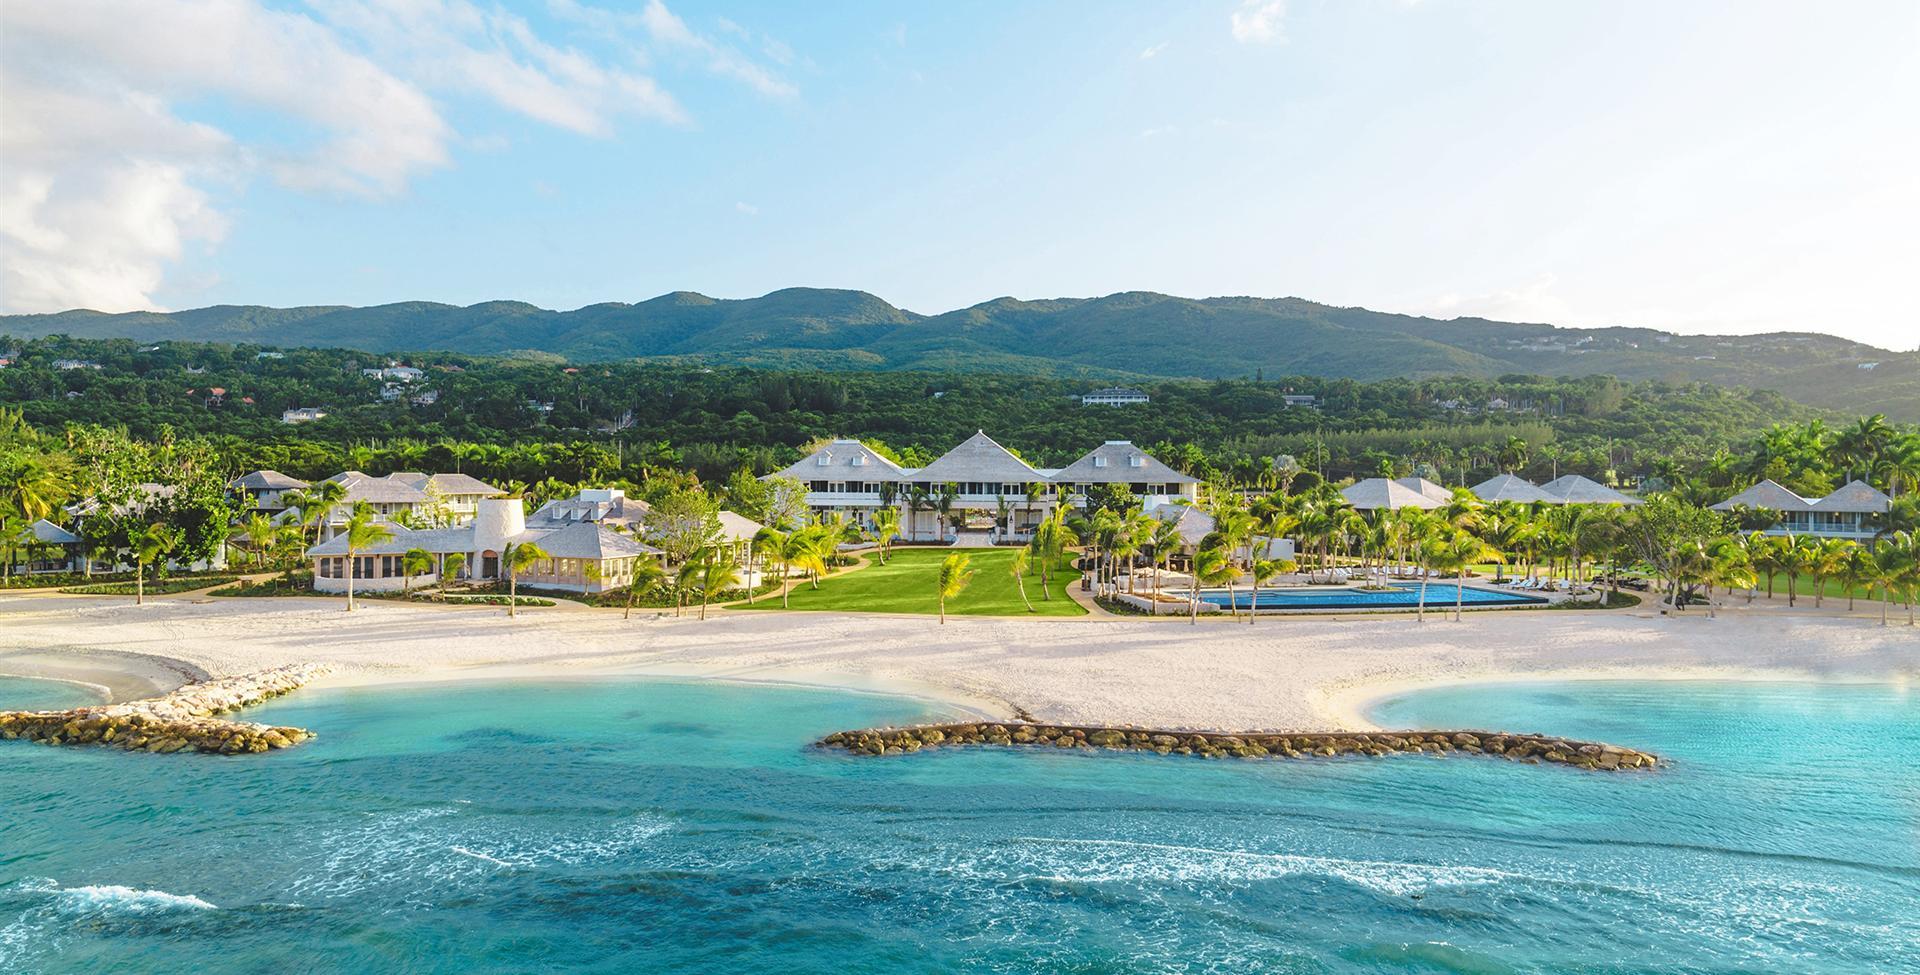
187,719
1534,749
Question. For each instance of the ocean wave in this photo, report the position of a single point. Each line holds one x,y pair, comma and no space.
416,853
1098,861
45,927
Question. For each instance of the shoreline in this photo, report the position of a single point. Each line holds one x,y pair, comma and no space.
1294,675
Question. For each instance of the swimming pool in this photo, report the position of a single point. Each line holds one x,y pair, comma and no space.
1403,595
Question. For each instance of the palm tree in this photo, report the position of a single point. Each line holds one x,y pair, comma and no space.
1800,555
450,566
1767,553
1018,569
16,533
1729,564
817,544
362,530
944,499
1856,571
1036,492
516,558
1452,553
261,534
1893,565
1051,539
317,503
1164,540
886,528
1829,557
953,579
1211,567
416,561
1263,571
150,544
716,575
646,574
917,499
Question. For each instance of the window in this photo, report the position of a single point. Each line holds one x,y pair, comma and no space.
1099,462
817,486
859,460
1135,460
825,459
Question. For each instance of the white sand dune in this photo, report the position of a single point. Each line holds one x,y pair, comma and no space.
1282,673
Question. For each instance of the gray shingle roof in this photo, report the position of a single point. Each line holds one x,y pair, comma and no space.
267,481
568,511
439,541
1768,495
978,458
1506,487
736,527
1119,458
1428,488
1577,489
379,490
48,533
844,460
1857,497
1378,492
1192,523
585,541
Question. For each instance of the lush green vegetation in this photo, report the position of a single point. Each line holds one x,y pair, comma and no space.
1121,335
907,583
628,421
156,587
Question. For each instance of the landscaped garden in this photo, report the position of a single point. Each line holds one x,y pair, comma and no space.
908,583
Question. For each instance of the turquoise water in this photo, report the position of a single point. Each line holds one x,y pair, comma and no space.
1402,595
638,827
21,694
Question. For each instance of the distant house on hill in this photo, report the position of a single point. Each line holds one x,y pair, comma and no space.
1113,396
70,364
1301,399
302,414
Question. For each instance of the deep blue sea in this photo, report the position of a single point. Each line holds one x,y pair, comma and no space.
658,827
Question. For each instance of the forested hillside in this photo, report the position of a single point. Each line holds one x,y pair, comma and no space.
1119,336
714,420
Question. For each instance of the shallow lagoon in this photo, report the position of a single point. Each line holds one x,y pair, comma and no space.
623,826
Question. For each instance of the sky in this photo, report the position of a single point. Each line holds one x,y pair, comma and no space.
1701,167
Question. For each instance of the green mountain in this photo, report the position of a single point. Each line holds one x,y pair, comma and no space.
1119,335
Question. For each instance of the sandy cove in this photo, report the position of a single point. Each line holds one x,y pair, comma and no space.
1285,673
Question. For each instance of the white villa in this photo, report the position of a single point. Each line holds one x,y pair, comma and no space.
1114,396
262,490
1846,513
436,500
846,477
302,414
581,556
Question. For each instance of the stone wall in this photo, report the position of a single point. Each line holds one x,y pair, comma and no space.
186,719
1532,749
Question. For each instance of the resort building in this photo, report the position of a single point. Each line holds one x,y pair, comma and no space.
1120,462
1114,396
580,557
1851,512
1506,487
1377,493
1576,489
262,490
1426,487
597,506
979,484
51,549
302,414
139,501
424,500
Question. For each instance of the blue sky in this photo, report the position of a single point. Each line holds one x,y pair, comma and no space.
1702,166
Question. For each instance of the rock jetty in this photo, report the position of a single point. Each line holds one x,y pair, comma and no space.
1534,749
186,719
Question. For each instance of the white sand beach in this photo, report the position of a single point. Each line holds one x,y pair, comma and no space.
1281,673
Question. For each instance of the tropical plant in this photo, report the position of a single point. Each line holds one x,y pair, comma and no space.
1212,567
1017,567
1164,540
363,530
415,561
516,558
450,566
150,544
886,528
952,580
716,575
1264,571
1451,553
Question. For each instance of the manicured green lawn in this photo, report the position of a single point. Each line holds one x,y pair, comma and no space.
906,585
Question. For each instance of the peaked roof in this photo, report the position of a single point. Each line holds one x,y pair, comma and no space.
1428,488
616,508
1114,462
586,541
48,533
1577,489
1378,492
978,458
267,481
1856,496
1767,494
1507,487
383,490
445,483
1192,523
735,527
843,460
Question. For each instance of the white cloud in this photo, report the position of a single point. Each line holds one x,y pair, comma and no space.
1154,51
667,28
747,208
1259,21
1535,301
106,182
